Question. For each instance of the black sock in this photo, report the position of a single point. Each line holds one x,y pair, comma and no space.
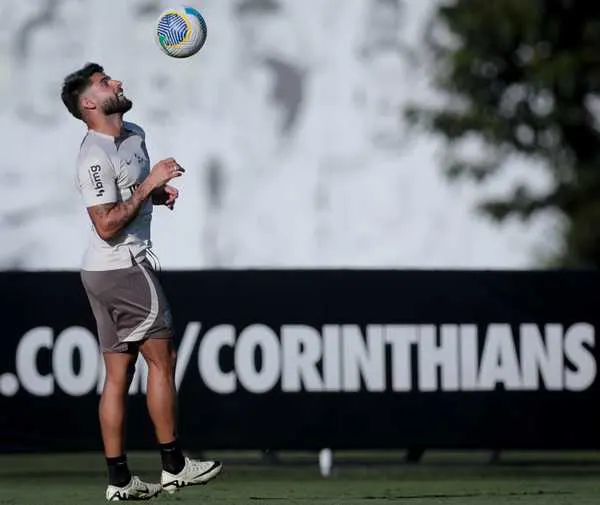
172,457
118,471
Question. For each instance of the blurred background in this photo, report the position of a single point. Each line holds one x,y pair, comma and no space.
396,135
315,134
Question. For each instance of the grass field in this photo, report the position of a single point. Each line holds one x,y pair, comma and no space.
360,479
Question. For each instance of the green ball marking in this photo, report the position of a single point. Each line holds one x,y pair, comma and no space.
163,41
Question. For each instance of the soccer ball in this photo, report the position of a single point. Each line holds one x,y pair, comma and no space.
180,31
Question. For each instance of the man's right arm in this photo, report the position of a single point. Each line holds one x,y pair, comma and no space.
98,185
110,218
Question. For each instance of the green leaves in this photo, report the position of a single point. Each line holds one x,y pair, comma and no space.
519,75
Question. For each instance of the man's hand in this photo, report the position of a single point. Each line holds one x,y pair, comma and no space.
109,219
172,195
165,195
164,171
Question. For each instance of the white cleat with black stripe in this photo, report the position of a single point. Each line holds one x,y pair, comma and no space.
135,490
195,472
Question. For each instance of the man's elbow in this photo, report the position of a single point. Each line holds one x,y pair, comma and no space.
106,233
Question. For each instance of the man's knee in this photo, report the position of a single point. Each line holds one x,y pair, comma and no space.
120,369
160,354
171,359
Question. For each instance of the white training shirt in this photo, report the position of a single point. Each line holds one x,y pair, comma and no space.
109,169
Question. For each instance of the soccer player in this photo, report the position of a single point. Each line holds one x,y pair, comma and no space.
131,311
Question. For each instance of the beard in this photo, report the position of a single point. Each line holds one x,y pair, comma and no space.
116,105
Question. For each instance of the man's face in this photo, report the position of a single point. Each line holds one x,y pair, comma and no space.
107,95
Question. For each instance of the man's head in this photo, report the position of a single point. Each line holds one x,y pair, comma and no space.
89,92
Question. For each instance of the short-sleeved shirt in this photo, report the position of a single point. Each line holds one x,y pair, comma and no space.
109,169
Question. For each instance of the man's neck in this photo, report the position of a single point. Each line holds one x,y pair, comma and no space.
108,125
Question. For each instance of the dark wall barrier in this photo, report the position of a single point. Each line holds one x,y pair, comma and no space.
305,360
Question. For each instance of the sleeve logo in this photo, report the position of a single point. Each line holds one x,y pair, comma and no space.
96,178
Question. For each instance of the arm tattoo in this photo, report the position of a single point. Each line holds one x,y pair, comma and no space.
110,218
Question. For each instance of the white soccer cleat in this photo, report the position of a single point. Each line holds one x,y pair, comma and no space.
194,472
135,490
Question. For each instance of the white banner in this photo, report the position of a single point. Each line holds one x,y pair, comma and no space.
332,358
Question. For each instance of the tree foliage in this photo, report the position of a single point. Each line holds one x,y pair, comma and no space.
523,77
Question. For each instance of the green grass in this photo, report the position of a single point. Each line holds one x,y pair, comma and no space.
442,479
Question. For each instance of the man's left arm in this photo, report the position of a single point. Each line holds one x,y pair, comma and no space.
165,195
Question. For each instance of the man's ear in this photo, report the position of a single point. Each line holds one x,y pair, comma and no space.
86,103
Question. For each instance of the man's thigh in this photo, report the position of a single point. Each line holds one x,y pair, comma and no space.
129,305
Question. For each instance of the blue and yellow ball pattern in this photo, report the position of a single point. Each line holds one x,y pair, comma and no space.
181,31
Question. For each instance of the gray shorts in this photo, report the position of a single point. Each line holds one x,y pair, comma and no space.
129,306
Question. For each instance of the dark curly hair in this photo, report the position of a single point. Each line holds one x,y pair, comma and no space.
75,84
